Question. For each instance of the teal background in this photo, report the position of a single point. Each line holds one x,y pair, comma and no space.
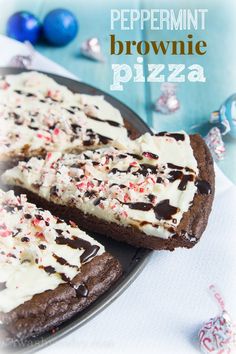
197,100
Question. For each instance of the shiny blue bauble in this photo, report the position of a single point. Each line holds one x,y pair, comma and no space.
23,26
60,27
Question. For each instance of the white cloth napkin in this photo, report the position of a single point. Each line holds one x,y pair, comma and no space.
163,310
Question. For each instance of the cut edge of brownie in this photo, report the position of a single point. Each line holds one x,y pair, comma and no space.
47,310
189,230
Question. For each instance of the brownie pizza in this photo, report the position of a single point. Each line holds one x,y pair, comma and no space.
155,193
71,155
49,270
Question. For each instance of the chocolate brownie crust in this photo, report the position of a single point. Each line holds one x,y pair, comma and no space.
189,230
47,310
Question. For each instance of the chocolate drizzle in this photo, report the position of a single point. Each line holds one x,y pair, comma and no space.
146,169
80,290
203,187
140,206
110,122
98,200
49,269
135,156
104,139
163,210
75,243
63,261
177,174
89,253
176,136
184,181
174,175
175,167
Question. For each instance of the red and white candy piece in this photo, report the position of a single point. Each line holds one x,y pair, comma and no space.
168,102
218,335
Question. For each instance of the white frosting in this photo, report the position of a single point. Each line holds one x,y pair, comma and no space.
28,245
37,114
81,180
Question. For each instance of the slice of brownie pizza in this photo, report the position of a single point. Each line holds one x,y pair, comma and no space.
38,115
49,270
156,193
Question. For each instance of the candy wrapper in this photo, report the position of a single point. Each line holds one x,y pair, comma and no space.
218,335
215,143
226,116
23,61
91,49
168,102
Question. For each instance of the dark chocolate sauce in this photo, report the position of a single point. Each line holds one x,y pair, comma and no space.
89,253
75,243
203,187
176,136
69,110
151,197
25,239
49,269
135,156
175,167
27,94
116,184
97,201
140,206
75,128
146,168
33,128
90,194
38,216
75,107
163,210
115,170
103,139
184,181
14,115
174,175
63,261
110,122
122,156
81,290
59,231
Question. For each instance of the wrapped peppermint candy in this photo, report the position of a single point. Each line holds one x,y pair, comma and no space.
91,49
215,143
168,102
23,61
218,335
226,116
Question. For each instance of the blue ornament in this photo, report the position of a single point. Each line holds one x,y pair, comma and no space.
23,26
60,27
226,116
